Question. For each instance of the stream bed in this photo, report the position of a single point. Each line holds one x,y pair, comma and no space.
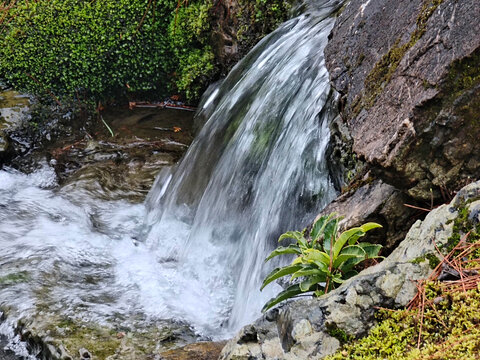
70,224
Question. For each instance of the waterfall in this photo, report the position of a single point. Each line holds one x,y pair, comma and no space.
256,169
192,256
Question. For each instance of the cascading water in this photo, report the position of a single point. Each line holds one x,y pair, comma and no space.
256,169
194,251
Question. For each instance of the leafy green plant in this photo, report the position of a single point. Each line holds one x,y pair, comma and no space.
325,258
92,51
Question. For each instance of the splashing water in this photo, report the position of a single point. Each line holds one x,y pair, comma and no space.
256,169
194,251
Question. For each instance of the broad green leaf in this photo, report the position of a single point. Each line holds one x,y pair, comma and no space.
343,258
317,255
345,237
365,227
319,226
320,265
291,235
351,263
338,279
354,250
372,250
310,272
291,291
280,272
307,284
291,249
369,226
296,235
330,234
298,260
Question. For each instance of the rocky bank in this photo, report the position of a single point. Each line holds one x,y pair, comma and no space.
409,79
408,75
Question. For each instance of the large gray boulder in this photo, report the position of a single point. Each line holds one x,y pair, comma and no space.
302,329
410,83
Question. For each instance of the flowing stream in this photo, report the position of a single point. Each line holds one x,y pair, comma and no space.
194,251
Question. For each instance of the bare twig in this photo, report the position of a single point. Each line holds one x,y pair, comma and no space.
417,208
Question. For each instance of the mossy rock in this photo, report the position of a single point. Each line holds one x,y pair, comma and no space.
66,337
450,331
409,104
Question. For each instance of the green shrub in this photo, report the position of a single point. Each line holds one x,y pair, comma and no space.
324,258
189,34
101,50
87,49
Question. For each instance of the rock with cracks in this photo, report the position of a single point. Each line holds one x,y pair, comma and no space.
410,83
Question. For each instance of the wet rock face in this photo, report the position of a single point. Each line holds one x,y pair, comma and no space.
377,202
123,166
313,328
13,108
224,35
238,25
410,83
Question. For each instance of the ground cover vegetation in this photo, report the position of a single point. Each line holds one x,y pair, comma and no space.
103,50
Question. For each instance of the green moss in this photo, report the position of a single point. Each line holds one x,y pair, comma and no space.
103,50
357,180
433,261
384,69
104,341
450,331
101,342
86,49
463,75
462,225
15,278
339,334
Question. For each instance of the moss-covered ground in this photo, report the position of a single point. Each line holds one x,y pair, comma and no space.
450,330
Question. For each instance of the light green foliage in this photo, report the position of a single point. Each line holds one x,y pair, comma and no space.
325,258
101,50
450,330
189,33
87,49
